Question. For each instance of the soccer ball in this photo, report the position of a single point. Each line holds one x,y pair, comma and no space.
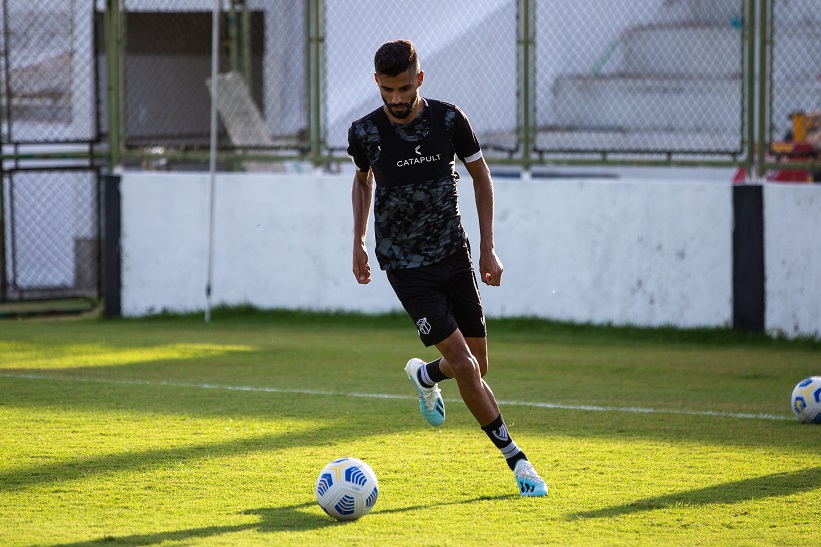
806,400
347,489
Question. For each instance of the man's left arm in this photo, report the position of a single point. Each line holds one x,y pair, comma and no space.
490,267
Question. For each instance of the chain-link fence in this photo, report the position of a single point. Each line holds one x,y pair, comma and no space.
541,80
49,207
544,80
538,79
640,76
793,127
166,72
52,237
467,49
48,66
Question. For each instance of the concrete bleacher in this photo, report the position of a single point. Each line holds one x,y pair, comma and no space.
680,82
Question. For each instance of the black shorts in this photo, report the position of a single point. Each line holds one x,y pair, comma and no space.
441,298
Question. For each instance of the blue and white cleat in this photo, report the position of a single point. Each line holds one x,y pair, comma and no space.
529,482
430,398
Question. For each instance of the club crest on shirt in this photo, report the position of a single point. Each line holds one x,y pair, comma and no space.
423,326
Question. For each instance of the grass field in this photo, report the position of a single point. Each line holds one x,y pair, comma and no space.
170,431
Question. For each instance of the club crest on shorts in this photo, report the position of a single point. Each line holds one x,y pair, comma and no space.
423,326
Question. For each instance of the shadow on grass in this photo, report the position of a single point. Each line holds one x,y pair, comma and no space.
769,486
272,519
82,467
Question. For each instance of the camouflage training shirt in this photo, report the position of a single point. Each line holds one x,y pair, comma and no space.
416,211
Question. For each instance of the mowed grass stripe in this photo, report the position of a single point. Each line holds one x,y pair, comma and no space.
261,389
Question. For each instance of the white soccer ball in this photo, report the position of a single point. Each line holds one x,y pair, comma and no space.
806,400
347,489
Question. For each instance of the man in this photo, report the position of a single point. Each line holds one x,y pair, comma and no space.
406,149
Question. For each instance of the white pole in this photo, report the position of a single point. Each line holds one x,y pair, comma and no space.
212,169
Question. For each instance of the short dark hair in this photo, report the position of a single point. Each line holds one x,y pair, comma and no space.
394,58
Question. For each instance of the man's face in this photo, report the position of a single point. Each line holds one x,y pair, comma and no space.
400,93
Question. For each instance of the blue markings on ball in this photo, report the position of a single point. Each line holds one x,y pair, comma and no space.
346,505
799,404
324,483
354,475
371,501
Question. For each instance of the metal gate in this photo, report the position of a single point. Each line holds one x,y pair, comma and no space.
50,222
51,226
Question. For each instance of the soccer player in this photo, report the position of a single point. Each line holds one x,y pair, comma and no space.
404,153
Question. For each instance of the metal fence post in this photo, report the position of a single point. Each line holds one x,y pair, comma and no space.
526,15
245,33
114,87
750,95
316,68
764,85
233,37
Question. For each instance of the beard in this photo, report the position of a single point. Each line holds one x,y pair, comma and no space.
401,111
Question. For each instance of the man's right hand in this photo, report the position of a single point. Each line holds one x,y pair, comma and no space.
361,268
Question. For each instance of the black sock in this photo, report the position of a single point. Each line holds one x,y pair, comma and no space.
499,436
429,373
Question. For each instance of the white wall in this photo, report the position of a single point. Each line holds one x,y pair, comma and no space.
792,239
624,252
280,241
629,251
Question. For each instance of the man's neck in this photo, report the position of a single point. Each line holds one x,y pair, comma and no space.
418,107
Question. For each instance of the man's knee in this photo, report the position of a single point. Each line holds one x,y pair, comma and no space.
464,362
478,348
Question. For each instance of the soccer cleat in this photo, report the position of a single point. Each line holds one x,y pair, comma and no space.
430,398
529,482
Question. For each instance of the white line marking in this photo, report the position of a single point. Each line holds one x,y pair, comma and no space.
256,389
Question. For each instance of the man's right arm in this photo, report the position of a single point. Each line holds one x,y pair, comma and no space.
361,199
